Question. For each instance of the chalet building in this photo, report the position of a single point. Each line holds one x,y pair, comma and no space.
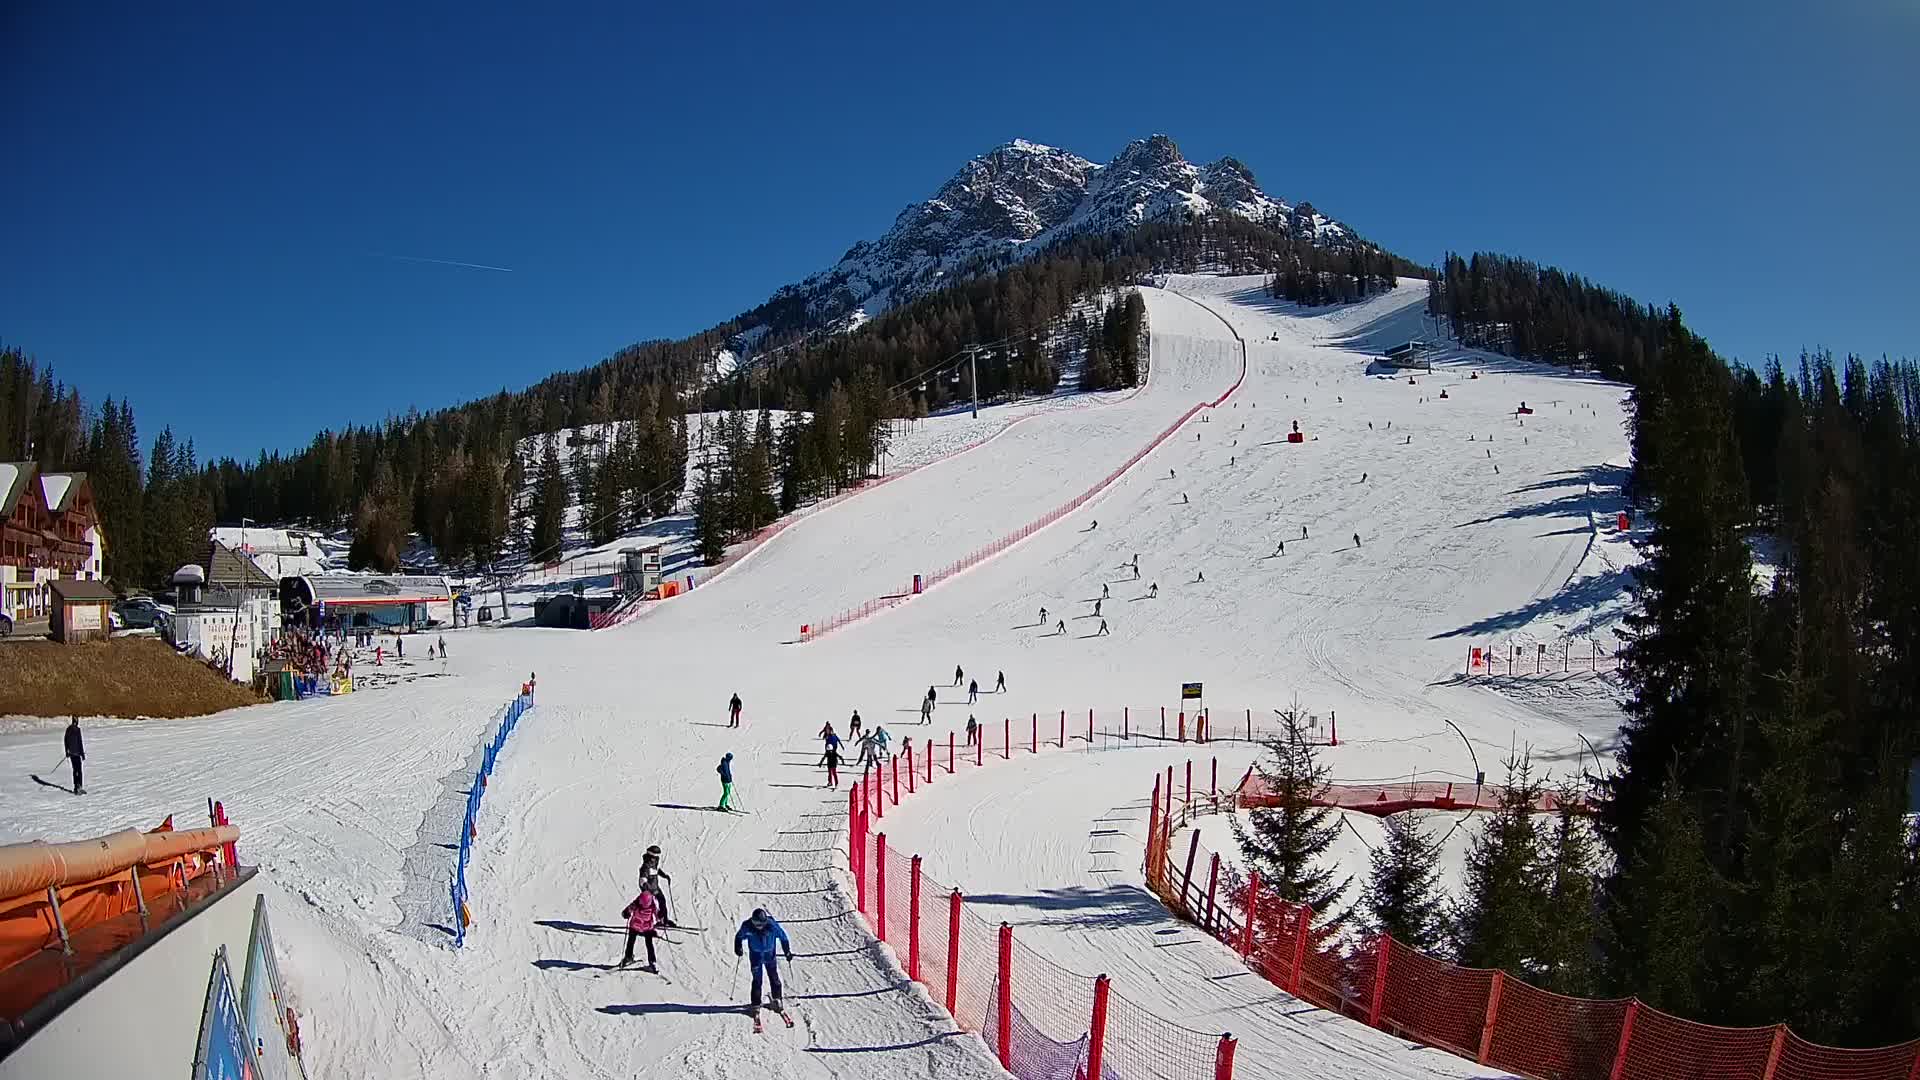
49,531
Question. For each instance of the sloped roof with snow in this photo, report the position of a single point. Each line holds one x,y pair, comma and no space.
13,478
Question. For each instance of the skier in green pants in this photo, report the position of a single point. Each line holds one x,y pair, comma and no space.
726,781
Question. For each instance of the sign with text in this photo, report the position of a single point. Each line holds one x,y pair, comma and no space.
1190,691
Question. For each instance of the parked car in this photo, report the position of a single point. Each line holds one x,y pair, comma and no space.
6,624
135,615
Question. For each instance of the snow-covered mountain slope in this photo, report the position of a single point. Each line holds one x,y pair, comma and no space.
1018,198
621,748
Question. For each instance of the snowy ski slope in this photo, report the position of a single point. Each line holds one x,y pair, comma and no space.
335,797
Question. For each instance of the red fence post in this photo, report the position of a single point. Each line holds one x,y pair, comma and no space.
1626,1037
913,923
1915,1075
1773,1052
1333,729
1383,948
1493,1015
1213,885
1168,816
929,757
1223,1058
1034,746
1097,1031
1153,826
896,779
1302,929
949,753
953,950
1005,1004
980,746
853,848
880,893
1006,738
1186,879
1253,911
909,770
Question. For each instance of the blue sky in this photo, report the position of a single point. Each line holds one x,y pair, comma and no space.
195,197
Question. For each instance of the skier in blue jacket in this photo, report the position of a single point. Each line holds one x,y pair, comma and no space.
758,936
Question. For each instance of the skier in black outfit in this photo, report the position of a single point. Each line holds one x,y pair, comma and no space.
958,675
831,759
655,880
853,726
1000,684
973,730
973,692
76,753
733,711
1356,539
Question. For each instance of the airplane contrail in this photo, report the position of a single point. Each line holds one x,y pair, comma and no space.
441,262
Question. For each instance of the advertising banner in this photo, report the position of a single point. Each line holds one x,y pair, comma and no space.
225,1052
260,1001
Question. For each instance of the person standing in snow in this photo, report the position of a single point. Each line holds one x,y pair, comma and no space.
1303,532
726,780
831,759
828,737
1153,590
399,647
1043,616
1282,549
655,880
973,730
958,675
76,752
1103,591
443,646
853,726
1356,539
1103,629
881,737
926,709
1060,627
1000,684
733,711
642,920
1096,607
760,936
973,691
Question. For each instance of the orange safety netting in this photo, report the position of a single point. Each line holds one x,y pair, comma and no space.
1487,1016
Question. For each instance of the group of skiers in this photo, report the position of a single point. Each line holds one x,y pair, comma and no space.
760,938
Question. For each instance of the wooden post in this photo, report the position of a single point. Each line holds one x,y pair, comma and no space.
929,757
1253,912
1089,727
880,894
1097,1031
1005,1004
1383,948
913,923
1183,725
980,746
1189,806
1223,1058
953,950
1063,729
1126,721
1626,1038
1186,878
1153,828
1163,721
1213,885
1214,785
1773,1052
1006,738
1493,1015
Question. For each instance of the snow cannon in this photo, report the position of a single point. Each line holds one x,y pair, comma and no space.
1410,381
1626,522
1443,395
1473,375
805,629
1294,436
1523,410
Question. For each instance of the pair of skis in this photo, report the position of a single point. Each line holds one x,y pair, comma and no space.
759,1027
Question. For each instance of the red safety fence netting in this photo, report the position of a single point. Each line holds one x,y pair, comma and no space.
1487,1016
1056,1022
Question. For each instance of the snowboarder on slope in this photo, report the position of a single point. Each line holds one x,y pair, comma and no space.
76,753
642,920
733,711
726,780
760,935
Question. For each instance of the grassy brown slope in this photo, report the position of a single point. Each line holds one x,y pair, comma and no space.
128,677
